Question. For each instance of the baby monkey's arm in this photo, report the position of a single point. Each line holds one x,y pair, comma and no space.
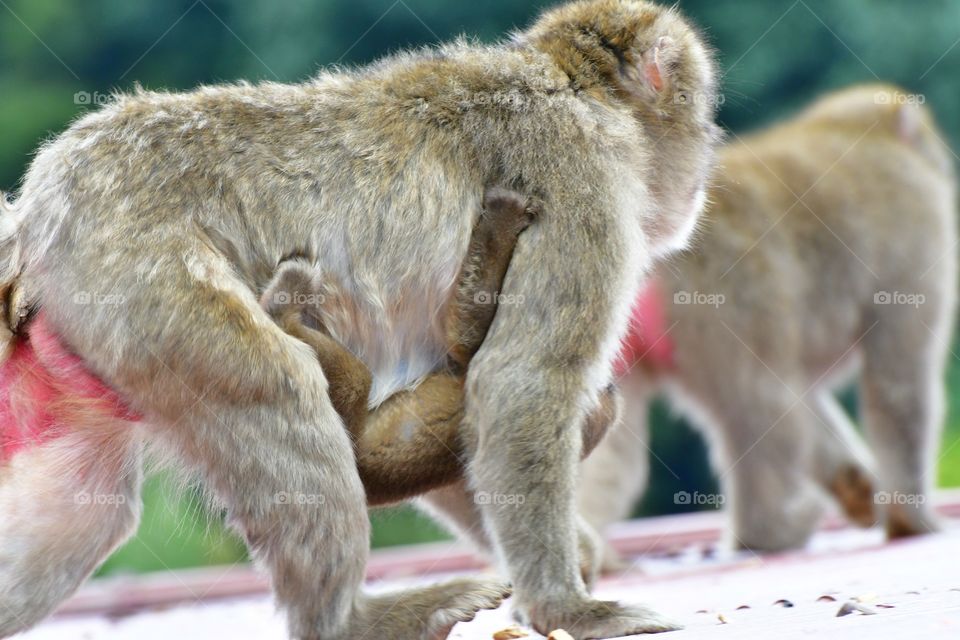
506,214
414,441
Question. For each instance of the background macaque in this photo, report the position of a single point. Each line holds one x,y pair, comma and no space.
183,205
829,248
414,441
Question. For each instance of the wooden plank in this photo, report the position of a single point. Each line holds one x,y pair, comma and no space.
912,586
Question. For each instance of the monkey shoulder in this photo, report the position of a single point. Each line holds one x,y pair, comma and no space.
516,90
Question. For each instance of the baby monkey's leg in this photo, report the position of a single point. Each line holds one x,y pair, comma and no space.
290,294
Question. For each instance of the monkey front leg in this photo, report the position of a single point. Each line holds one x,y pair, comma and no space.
528,387
456,506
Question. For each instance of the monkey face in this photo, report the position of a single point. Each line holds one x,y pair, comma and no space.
886,109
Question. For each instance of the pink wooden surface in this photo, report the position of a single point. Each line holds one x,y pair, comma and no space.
913,586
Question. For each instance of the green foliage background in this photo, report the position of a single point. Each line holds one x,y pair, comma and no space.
776,55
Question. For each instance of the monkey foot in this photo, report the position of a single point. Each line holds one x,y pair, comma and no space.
596,619
853,489
429,613
904,522
778,526
460,601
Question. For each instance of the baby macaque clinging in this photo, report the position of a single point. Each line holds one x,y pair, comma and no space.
413,442
144,233
829,249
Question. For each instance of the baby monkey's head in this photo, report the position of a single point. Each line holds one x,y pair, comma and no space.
650,59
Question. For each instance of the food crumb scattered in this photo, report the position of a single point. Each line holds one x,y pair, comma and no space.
510,633
559,634
852,606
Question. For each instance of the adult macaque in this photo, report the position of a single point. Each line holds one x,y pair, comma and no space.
143,233
829,248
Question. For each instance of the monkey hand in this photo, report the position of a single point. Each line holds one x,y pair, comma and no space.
292,290
507,204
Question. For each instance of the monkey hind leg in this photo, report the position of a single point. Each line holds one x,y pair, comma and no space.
349,379
841,462
428,613
65,505
614,476
765,443
903,406
250,412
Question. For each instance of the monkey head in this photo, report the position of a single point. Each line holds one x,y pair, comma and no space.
647,58
885,109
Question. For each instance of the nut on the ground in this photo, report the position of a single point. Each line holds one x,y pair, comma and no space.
852,606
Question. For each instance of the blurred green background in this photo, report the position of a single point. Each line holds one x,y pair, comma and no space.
60,58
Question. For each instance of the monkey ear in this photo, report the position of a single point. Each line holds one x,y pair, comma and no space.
656,64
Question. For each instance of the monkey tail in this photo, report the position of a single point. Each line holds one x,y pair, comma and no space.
10,267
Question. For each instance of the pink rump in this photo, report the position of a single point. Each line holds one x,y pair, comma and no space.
40,382
647,340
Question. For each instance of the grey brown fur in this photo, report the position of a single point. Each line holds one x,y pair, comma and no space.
414,441
808,302
185,203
